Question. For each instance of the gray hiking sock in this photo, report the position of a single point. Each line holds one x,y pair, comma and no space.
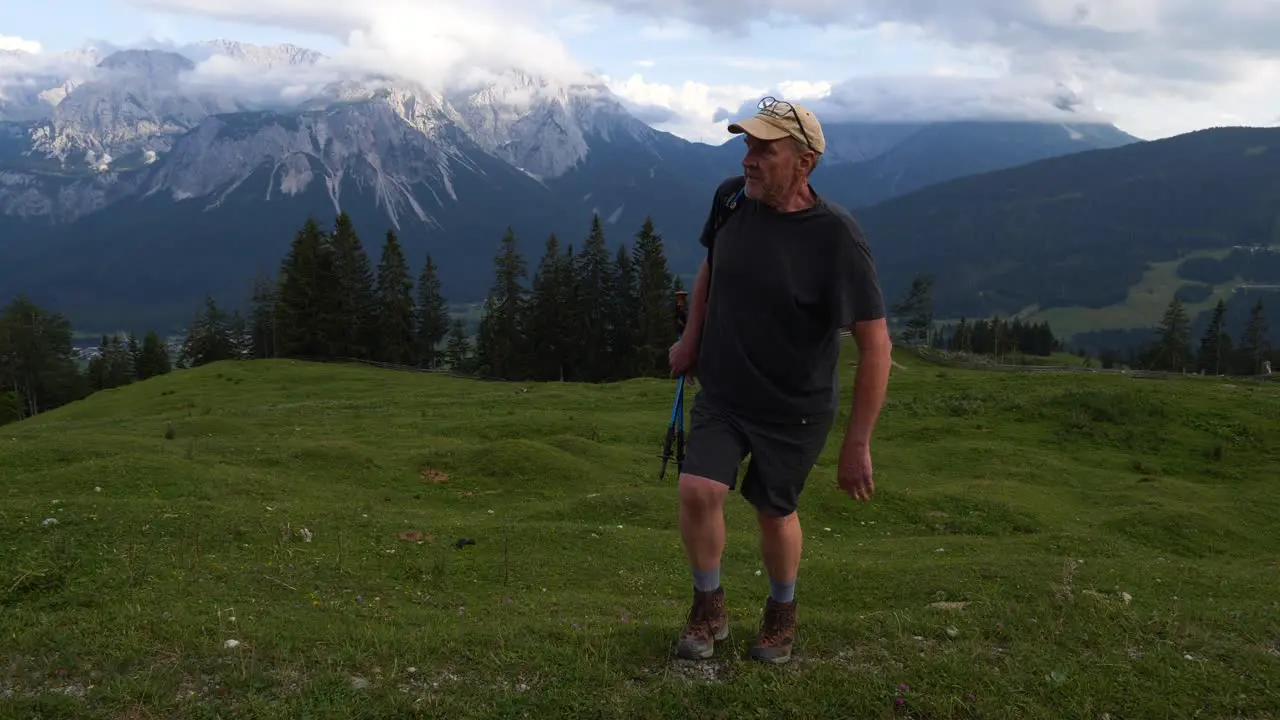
706,580
782,592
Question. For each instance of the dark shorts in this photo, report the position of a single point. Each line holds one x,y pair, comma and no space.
782,454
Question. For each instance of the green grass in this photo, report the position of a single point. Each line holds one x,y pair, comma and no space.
265,502
1144,306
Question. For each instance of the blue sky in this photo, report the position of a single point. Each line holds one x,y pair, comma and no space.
1156,67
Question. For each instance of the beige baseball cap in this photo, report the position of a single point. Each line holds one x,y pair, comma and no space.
777,119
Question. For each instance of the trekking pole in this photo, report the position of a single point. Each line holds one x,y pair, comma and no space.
675,427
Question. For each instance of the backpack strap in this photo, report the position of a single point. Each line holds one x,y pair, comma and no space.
729,205
725,209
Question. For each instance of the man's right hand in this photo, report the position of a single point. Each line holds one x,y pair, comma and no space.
682,357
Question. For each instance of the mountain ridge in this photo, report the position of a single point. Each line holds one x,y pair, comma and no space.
449,168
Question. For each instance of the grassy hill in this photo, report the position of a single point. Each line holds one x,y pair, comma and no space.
1040,546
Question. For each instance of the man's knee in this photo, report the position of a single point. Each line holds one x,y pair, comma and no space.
701,494
773,524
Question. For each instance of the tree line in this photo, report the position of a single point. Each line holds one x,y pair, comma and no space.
40,370
994,336
1170,350
1173,349
585,315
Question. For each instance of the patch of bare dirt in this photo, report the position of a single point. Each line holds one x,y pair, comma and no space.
711,670
417,536
433,476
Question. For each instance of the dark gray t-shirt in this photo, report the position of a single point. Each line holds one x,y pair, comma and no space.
782,287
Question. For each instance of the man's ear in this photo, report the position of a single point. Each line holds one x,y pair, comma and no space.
808,159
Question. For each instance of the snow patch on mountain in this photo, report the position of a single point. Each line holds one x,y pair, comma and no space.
539,125
134,103
396,142
262,56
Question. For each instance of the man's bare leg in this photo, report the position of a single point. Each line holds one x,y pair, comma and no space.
701,519
780,543
781,540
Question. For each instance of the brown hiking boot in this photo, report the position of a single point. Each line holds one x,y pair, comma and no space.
777,633
706,624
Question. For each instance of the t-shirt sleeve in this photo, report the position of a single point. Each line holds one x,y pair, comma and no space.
855,287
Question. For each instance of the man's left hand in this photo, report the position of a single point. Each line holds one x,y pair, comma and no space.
854,471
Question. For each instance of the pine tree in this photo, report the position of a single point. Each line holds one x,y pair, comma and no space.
655,298
1172,350
917,307
397,337
37,365
1215,346
209,339
112,366
500,342
963,338
458,351
593,286
240,340
135,354
352,329
302,301
572,326
95,371
624,317
1254,344
263,319
545,328
153,360
433,315
119,366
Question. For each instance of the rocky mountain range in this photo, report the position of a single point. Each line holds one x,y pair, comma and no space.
134,181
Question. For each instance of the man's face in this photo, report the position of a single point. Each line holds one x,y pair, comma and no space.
773,168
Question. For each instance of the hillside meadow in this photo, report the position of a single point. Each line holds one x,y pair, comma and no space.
282,539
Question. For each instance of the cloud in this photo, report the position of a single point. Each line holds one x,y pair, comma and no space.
689,109
759,64
263,87
930,98
1172,42
1163,63
701,111
437,43
13,42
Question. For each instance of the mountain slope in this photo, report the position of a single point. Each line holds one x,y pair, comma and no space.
231,194
938,152
146,185
1080,230
135,106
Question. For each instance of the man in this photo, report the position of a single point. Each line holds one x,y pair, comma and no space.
786,272
682,311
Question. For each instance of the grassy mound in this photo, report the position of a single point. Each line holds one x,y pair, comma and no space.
281,539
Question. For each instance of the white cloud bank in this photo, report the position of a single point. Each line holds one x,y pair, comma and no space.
434,42
14,43
1161,65
1156,67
